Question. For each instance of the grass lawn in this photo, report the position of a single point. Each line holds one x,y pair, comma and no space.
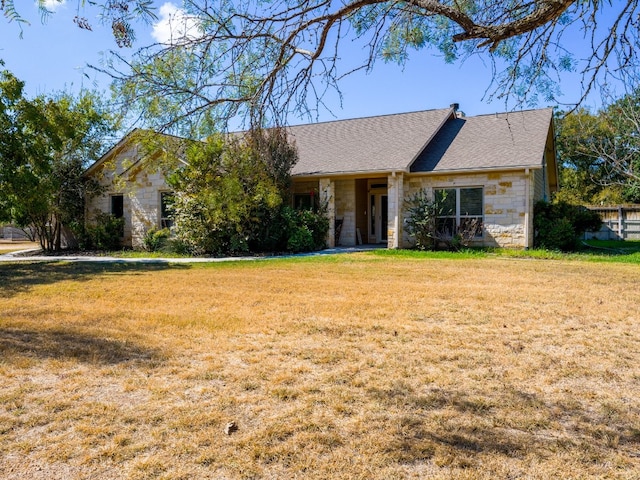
365,365
8,247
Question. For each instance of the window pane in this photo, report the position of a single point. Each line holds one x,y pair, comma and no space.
166,209
447,199
303,201
117,206
471,225
446,227
471,201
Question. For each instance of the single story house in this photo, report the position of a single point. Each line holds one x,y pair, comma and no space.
495,167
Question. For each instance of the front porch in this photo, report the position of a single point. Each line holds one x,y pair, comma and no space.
366,211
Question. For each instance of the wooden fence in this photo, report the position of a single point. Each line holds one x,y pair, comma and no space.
621,222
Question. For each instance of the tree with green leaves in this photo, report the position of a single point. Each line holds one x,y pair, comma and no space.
264,60
230,191
600,153
45,145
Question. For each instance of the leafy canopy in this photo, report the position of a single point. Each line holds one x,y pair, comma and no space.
45,145
263,60
600,153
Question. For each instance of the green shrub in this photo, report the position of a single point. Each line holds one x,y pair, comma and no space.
300,239
559,226
429,234
304,230
104,233
155,239
421,222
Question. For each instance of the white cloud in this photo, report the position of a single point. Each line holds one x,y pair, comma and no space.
174,25
51,5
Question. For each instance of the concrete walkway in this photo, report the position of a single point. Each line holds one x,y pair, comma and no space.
23,256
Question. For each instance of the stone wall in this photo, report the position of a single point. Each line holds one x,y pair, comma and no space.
144,197
395,221
345,194
140,190
505,215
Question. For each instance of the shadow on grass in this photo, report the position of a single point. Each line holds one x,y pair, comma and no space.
523,423
21,277
72,346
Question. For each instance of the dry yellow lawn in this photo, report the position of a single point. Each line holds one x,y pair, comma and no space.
7,247
354,366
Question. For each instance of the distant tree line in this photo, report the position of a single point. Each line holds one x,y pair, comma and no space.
600,153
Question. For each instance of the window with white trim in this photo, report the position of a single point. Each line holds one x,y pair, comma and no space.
460,207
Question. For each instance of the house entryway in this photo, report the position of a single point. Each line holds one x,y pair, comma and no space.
378,216
378,211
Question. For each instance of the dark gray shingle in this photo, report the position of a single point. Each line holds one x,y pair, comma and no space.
506,140
372,144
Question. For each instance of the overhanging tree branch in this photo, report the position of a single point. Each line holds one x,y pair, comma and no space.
265,60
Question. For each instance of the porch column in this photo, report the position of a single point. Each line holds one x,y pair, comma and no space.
327,196
395,191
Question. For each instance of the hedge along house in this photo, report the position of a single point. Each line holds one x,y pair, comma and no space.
492,167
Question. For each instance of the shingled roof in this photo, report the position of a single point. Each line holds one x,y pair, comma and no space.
506,140
373,144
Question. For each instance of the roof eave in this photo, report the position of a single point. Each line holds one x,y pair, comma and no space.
350,173
514,168
109,153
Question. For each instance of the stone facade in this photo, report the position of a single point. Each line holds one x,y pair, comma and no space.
506,221
363,170
508,197
140,187
395,192
346,210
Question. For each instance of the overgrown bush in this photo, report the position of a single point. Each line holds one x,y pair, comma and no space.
104,233
229,192
306,230
421,221
156,239
232,197
559,226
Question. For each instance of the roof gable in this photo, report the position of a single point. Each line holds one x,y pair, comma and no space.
372,144
506,140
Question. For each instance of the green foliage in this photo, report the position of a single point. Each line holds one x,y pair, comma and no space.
156,239
600,163
230,197
558,226
45,144
421,223
103,233
305,230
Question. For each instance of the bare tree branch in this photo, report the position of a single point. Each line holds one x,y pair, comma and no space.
267,59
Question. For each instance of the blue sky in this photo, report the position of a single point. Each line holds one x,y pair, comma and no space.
54,57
